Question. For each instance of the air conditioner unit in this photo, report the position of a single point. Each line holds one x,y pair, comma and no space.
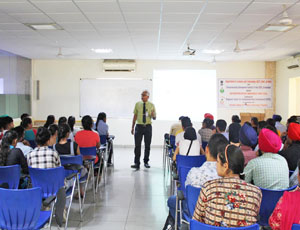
293,63
119,65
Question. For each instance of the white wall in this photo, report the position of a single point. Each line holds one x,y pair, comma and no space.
59,89
287,98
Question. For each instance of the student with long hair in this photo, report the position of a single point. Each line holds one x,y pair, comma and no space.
27,125
228,201
63,147
50,121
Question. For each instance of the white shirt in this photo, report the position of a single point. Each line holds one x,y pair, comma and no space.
180,136
25,149
197,176
280,127
184,147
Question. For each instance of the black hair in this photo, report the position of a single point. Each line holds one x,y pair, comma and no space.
87,122
63,130
186,122
24,115
271,128
248,123
62,120
235,158
262,124
71,122
271,122
1,122
292,119
216,144
25,122
299,166
277,118
180,118
20,132
208,123
42,136
7,141
235,119
190,134
101,116
50,121
6,121
254,120
53,128
221,124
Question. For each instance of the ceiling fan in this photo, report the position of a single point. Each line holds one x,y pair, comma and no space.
237,48
61,55
189,51
285,19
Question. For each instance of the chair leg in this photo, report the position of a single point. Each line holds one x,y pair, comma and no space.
93,179
176,213
79,196
180,212
70,204
98,179
86,184
52,209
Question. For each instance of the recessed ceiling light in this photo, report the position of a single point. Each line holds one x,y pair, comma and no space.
102,51
212,51
41,26
277,27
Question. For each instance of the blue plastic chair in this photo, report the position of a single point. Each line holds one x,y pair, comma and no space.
20,209
195,225
291,173
296,227
268,204
172,141
192,195
190,161
10,175
32,143
204,144
103,139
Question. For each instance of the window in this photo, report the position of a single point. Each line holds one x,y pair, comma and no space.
184,92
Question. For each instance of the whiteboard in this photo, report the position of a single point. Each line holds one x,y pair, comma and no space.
114,96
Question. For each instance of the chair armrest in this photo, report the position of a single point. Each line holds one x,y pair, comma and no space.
49,200
74,167
71,176
180,195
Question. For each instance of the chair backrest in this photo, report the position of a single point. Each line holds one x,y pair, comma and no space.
32,143
66,159
172,141
103,139
88,151
268,203
10,175
204,144
49,180
195,225
20,209
291,173
190,161
182,173
192,194
296,227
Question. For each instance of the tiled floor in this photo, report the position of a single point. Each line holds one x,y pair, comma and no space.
130,200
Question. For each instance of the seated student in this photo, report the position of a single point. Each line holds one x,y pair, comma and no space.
261,125
228,201
277,118
8,124
62,120
27,125
254,123
270,170
206,130
234,129
272,123
102,129
287,210
87,137
211,117
53,134
176,127
248,140
24,115
185,123
43,157
197,176
221,128
71,123
9,154
292,153
50,121
21,132
1,127
189,146
63,147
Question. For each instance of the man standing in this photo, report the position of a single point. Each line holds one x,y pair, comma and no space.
144,111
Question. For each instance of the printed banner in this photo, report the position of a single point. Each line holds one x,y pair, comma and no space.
246,93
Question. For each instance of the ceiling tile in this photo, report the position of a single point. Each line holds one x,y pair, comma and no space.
143,26
264,8
217,18
105,7
77,26
57,7
142,17
225,8
182,7
179,17
13,26
68,17
140,7
4,18
32,18
105,17
110,26
17,7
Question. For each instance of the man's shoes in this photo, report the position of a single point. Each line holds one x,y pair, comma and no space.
135,166
147,166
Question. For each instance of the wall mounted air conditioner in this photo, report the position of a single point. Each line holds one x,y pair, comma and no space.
119,65
293,62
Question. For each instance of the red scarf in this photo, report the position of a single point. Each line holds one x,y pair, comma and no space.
290,209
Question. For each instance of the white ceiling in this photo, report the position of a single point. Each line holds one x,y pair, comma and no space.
148,29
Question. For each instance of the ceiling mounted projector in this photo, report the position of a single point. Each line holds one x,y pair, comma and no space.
189,51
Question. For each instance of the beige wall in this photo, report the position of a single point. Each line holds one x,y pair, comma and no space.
59,84
287,91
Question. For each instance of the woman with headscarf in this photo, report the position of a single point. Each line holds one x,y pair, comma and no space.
189,146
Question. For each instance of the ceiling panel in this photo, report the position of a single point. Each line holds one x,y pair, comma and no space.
182,7
265,8
92,7
77,26
226,7
105,17
68,17
13,26
142,17
179,17
110,26
57,7
17,7
32,18
217,18
140,7
4,18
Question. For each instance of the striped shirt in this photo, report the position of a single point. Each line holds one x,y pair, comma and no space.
43,158
228,202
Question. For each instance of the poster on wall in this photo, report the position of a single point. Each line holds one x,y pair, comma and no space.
245,93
